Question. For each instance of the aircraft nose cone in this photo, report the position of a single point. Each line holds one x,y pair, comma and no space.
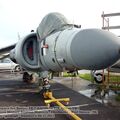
95,49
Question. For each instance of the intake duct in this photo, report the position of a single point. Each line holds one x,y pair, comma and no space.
26,52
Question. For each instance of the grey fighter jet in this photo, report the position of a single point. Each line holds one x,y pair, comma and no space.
58,45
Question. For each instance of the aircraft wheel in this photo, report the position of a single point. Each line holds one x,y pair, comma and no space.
99,78
26,77
17,68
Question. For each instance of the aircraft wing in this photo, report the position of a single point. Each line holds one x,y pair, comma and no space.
4,52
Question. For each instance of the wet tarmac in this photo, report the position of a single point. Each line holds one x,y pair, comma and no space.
88,89
15,94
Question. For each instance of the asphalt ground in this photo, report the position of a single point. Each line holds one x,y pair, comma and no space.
14,93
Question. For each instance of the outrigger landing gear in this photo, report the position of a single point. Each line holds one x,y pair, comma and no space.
47,93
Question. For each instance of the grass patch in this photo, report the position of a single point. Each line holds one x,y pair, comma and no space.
65,74
114,78
86,76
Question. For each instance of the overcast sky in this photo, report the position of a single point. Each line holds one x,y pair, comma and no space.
20,16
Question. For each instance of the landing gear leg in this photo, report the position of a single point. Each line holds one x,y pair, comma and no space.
28,78
51,99
46,85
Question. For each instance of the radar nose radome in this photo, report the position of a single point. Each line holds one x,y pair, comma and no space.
94,49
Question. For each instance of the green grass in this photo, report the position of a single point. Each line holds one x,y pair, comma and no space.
113,78
86,76
83,76
65,74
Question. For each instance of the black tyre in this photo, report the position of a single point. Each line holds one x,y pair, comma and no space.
26,77
17,68
99,78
